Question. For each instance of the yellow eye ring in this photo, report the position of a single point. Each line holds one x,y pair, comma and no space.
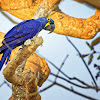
48,19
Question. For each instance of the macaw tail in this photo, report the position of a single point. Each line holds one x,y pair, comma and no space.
6,54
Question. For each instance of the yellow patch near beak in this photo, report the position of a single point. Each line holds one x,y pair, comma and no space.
47,24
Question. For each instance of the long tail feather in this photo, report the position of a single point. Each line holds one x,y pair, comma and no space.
7,48
5,54
9,54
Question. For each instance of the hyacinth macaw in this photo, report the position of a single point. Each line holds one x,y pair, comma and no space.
21,32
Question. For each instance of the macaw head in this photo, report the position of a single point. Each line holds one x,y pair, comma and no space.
47,23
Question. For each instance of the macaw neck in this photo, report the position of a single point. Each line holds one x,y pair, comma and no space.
43,23
42,26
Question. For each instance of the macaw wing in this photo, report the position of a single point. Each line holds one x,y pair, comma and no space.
13,31
24,28
21,32
17,36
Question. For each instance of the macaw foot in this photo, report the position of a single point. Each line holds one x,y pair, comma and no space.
27,42
20,47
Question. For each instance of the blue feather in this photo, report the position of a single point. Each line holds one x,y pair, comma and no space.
14,37
23,28
15,42
5,54
19,34
9,54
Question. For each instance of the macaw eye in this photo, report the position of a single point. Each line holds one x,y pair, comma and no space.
48,19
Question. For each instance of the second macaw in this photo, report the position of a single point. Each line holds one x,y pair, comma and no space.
21,32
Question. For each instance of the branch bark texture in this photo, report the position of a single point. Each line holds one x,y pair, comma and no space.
24,82
26,70
64,24
94,3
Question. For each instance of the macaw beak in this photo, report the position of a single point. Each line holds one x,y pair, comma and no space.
50,27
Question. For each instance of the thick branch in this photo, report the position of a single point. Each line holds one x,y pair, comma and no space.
76,27
65,25
22,55
24,82
45,8
94,3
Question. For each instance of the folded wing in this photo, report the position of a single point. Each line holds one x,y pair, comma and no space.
17,36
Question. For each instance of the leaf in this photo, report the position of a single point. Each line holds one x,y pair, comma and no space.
97,75
98,57
84,55
89,45
95,42
97,66
90,59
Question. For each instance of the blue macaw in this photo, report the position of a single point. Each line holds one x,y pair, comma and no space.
21,32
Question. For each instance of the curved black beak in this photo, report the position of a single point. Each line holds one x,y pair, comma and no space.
50,27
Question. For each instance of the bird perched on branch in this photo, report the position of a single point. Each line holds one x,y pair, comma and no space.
22,32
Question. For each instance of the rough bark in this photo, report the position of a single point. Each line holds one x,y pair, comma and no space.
64,24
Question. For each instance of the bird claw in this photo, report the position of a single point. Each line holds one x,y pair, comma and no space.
27,42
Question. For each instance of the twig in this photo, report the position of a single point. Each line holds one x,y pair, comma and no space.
46,88
7,84
55,66
85,87
85,55
83,61
66,88
67,80
78,93
74,78
61,66
8,17
4,82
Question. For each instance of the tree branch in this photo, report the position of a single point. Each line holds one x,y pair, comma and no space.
87,86
64,24
94,3
45,8
78,93
73,78
83,61
22,55
55,66
69,89
61,66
